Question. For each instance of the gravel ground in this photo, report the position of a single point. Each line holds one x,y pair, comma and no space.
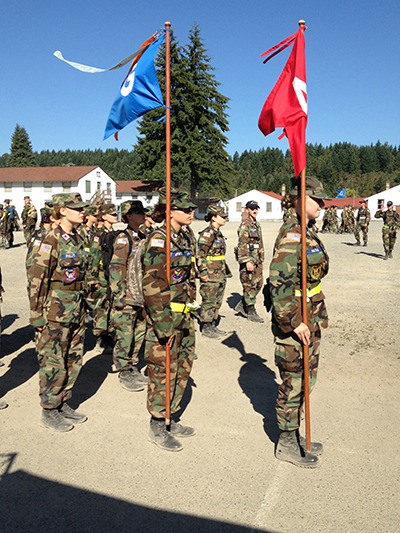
106,476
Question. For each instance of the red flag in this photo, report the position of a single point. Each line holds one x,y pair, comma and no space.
286,105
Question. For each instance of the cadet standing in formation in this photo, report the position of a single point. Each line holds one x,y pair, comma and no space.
169,300
212,270
56,291
391,225
127,317
289,331
28,218
362,221
250,255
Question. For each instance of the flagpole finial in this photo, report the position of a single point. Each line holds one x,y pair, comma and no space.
167,24
301,22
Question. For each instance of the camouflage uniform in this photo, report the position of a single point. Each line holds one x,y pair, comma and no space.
9,223
29,219
128,320
362,221
391,224
167,301
211,250
250,248
285,279
56,291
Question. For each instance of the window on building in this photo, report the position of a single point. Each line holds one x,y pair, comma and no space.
268,207
7,187
99,186
27,186
47,186
87,187
381,203
238,207
108,187
66,186
98,174
119,196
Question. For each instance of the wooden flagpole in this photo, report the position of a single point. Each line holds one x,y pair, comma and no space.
168,209
304,312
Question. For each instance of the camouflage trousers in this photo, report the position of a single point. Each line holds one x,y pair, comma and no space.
101,311
389,239
212,294
364,231
28,232
129,326
181,354
60,353
252,283
289,360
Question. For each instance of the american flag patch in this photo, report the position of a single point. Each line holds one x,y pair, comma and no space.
293,237
45,248
157,243
121,240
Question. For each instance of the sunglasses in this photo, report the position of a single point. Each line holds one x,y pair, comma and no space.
186,210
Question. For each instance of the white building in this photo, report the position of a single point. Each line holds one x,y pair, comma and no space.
269,202
379,200
145,191
40,183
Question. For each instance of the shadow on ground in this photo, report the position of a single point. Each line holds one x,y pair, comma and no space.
258,382
41,505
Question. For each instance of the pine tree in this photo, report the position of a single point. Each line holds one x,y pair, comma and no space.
21,149
199,161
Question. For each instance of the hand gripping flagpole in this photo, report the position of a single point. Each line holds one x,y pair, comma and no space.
304,312
168,210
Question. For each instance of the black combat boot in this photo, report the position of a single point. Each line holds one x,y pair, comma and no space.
52,419
67,412
219,332
390,255
209,331
386,256
288,449
162,437
252,314
132,380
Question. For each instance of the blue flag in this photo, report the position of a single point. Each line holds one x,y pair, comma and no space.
341,193
139,93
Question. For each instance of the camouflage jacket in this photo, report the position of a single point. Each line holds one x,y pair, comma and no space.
391,219
363,216
285,279
250,242
210,257
118,269
29,215
162,290
95,273
56,276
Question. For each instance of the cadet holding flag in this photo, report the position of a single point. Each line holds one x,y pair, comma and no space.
169,300
290,331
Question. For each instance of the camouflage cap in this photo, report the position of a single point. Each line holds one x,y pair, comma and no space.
390,203
179,200
45,212
70,199
148,211
134,207
91,210
48,203
214,209
363,201
314,188
108,209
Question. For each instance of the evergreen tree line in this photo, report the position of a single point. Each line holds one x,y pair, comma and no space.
199,160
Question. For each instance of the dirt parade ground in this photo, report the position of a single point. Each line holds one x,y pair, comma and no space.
105,475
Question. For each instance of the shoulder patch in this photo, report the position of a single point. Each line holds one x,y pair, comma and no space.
65,236
293,237
122,240
206,234
157,243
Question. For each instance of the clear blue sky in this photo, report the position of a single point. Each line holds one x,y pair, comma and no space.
352,50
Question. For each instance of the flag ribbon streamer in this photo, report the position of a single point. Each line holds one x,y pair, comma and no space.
282,45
